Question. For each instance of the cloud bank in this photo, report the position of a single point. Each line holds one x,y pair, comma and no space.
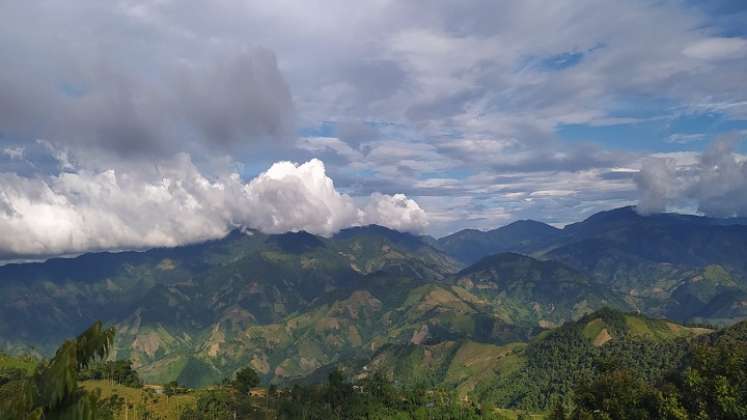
173,203
482,111
715,182
239,99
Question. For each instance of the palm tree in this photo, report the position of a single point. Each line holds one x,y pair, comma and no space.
52,392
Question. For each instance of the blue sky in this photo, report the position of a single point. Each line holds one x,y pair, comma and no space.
433,115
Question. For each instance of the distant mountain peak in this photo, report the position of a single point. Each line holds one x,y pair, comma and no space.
296,242
369,228
528,222
470,245
620,213
378,230
528,225
491,261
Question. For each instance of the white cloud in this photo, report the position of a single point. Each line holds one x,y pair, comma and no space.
656,185
715,182
717,49
318,145
396,211
297,197
174,203
451,97
685,138
14,153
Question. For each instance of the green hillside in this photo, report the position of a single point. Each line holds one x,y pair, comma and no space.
686,268
286,303
556,361
533,292
557,368
294,304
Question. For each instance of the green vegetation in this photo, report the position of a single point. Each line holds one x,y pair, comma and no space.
288,305
135,403
553,364
15,368
221,404
711,384
119,371
375,398
52,390
511,331
245,380
644,369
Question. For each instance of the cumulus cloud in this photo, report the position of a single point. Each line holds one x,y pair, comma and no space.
173,203
492,102
298,197
396,211
656,185
715,182
721,181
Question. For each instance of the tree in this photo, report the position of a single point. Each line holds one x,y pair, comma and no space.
714,384
220,404
119,371
617,395
558,411
338,392
52,392
170,388
246,379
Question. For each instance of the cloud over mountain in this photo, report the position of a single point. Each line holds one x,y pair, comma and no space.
476,109
173,203
715,182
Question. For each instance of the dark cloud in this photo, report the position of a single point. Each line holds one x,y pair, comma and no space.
236,98
375,80
111,81
356,133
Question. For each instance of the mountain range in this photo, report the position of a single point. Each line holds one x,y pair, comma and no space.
293,305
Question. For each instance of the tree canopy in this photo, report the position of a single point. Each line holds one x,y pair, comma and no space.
52,392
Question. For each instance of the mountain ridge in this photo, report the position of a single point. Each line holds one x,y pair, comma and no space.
290,304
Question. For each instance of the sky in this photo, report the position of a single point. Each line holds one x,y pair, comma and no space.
132,124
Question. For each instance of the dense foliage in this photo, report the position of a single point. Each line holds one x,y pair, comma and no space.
246,379
711,384
221,404
560,360
52,391
374,398
119,371
635,375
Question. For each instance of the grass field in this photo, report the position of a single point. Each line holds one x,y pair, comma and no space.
514,414
140,401
27,364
